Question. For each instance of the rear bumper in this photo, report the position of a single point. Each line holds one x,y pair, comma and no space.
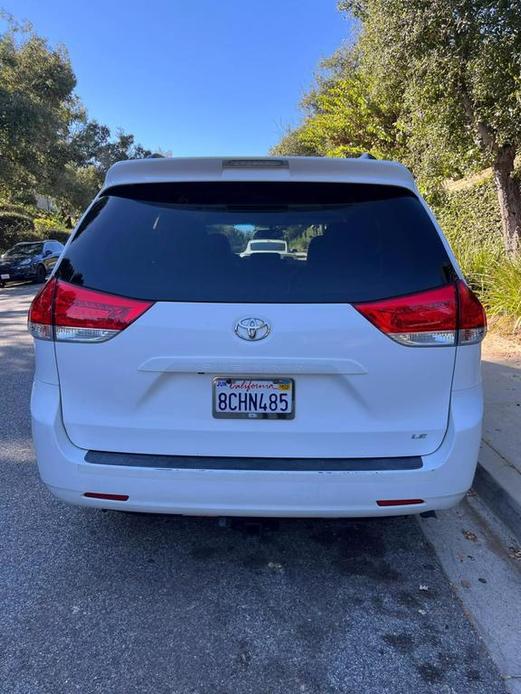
441,481
18,275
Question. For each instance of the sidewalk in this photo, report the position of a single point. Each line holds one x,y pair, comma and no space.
498,479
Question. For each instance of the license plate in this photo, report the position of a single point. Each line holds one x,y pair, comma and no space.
4,277
253,398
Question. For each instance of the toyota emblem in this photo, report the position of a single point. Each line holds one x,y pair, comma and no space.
252,329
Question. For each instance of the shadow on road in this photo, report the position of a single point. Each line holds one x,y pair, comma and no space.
180,604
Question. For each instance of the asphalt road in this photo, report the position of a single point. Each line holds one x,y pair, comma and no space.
94,601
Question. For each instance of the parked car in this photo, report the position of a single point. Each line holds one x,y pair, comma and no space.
265,246
31,260
174,376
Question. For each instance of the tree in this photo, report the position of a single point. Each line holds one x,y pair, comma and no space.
292,144
92,151
343,117
92,145
457,65
37,106
47,143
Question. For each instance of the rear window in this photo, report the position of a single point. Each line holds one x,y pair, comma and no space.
24,249
222,242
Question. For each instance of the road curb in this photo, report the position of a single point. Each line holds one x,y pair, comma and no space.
499,484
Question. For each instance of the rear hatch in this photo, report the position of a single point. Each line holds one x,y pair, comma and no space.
204,318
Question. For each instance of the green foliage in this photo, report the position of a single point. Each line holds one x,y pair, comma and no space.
93,145
15,207
292,144
502,291
76,188
15,227
456,65
13,219
471,221
37,106
46,226
342,118
47,144
456,62
93,150
433,83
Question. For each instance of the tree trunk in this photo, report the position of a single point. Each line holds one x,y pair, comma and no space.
509,196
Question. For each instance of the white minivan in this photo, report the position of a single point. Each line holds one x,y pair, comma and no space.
175,374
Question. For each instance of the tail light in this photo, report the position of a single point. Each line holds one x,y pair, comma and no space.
67,313
472,320
40,313
441,317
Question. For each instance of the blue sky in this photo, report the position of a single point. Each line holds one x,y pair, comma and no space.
194,77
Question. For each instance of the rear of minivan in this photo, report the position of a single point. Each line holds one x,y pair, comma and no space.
177,373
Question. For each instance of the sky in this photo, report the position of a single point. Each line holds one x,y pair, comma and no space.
192,77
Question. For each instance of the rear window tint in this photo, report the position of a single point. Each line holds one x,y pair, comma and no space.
257,242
